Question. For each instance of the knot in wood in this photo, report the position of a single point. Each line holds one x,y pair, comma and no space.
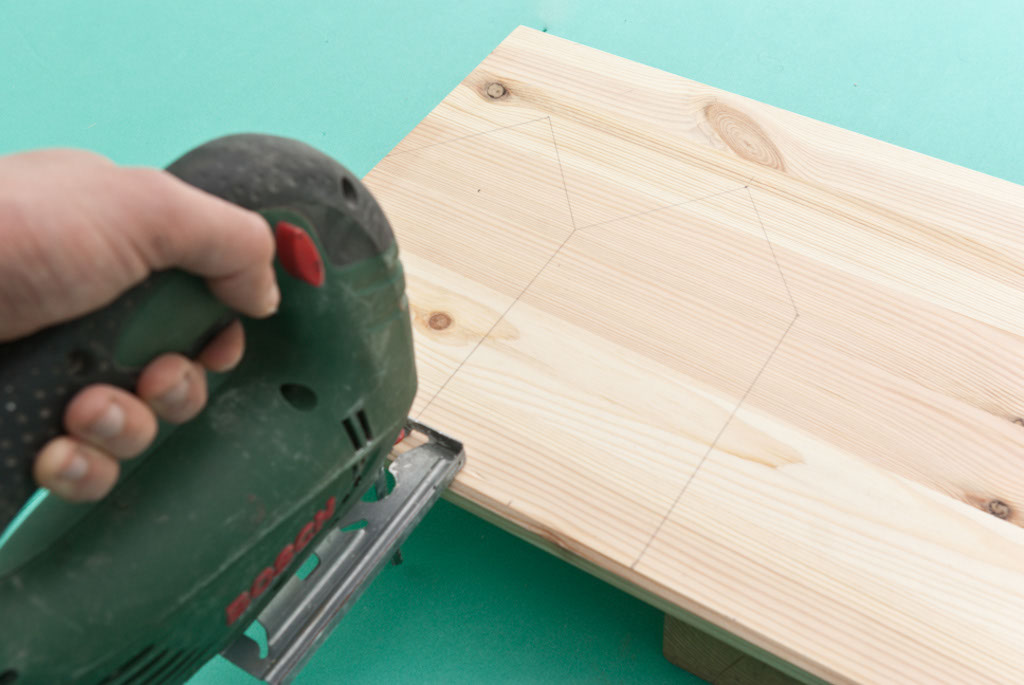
743,136
999,509
439,321
496,91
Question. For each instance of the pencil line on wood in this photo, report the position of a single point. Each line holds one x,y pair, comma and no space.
771,247
494,325
565,186
468,135
522,292
658,209
714,442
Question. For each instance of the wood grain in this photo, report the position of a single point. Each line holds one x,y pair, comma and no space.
764,370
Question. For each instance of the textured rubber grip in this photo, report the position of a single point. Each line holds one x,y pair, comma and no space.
39,375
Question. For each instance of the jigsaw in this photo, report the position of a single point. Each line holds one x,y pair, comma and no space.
204,532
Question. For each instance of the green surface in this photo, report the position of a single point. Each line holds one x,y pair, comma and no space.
472,604
144,81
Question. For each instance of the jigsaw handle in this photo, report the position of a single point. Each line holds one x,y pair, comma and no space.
173,311
169,312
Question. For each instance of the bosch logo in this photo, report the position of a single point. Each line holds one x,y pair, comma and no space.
265,577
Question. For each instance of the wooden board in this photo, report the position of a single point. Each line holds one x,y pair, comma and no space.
764,370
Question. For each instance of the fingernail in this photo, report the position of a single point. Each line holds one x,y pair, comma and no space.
175,397
273,299
75,468
110,423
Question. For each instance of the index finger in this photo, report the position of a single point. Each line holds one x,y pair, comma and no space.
185,227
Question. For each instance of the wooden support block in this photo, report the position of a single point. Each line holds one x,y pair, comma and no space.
713,660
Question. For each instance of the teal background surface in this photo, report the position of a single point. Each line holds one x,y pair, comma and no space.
144,81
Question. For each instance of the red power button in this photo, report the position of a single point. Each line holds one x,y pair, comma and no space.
298,254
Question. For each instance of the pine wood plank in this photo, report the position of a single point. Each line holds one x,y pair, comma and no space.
762,369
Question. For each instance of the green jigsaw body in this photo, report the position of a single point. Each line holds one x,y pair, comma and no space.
150,582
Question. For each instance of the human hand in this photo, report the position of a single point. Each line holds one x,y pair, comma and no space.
76,231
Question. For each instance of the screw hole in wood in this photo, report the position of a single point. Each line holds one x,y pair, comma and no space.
999,509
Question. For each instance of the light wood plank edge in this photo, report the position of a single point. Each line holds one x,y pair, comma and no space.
629,581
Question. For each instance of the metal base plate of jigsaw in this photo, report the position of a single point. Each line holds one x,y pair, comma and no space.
301,616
